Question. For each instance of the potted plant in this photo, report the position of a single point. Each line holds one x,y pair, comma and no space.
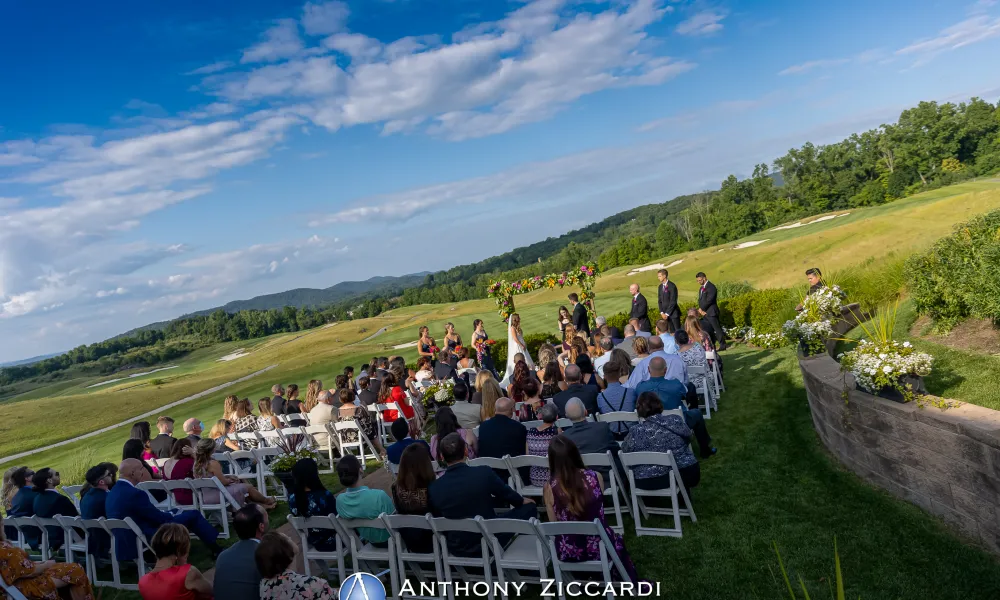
883,366
439,393
810,329
282,467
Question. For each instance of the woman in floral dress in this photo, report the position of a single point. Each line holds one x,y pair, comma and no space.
574,494
41,581
274,557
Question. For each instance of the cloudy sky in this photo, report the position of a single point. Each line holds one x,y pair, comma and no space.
159,158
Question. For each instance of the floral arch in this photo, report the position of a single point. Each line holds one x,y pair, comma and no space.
503,291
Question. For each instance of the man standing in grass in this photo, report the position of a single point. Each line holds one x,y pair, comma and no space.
815,278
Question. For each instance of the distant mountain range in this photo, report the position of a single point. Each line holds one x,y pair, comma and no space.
28,361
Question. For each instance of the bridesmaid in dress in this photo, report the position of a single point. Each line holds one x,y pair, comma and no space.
452,340
425,345
483,356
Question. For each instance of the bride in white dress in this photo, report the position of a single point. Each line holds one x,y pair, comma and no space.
515,344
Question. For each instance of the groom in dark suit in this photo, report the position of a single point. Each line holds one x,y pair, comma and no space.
708,308
666,297
580,320
640,308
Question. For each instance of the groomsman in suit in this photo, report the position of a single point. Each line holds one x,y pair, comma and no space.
580,320
640,308
708,308
667,300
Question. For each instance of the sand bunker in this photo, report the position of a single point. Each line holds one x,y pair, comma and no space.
801,224
748,244
133,375
406,345
655,267
240,353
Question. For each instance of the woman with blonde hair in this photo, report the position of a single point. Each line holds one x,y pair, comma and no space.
206,467
641,348
697,334
219,433
267,421
491,392
312,393
229,407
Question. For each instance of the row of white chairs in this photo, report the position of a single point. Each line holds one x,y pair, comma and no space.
77,534
199,489
526,558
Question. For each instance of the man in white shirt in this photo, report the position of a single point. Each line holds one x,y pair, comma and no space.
669,344
324,412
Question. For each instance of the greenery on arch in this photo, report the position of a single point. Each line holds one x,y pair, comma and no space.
585,277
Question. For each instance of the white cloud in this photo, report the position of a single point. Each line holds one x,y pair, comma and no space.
211,68
490,78
970,31
279,42
9,201
703,23
812,65
115,292
324,18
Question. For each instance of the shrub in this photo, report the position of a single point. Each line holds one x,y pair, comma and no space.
873,285
762,310
959,276
156,382
730,289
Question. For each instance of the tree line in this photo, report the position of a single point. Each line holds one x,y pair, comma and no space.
930,145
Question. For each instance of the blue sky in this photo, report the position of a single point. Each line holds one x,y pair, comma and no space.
159,158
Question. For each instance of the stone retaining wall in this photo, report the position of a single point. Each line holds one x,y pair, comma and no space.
944,461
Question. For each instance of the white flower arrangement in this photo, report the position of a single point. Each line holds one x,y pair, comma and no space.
751,337
441,393
878,366
814,323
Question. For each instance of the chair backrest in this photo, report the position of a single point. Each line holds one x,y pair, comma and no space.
73,491
673,411
588,528
564,423
618,416
494,463
304,524
157,484
696,370
532,424
173,485
632,459
527,460
349,528
270,438
212,484
442,527
12,592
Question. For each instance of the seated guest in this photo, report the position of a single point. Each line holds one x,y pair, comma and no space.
502,435
446,422
641,350
481,378
267,421
360,502
532,401
391,390
403,433
600,361
464,409
193,429
274,557
552,380
576,389
205,467
160,445
614,399
574,494
538,441
488,396
235,569
365,394
410,495
180,464
23,504
588,372
9,489
92,505
590,437
663,332
134,448
639,331
322,414
360,416
126,500
627,344
465,492
693,355
220,432
310,498
278,401
620,358
140,431
41,581
464,362
293,405
49,502
425,369
515,388
172,576
675,366
656,432
443,369
671,393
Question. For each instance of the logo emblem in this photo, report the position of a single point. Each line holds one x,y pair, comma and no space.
362,586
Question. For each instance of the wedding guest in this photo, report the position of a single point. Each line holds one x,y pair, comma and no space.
160,445
815,278
628,344
587,370
708,309
575,494
267,421
22,504
538,440
656,432
362,417
172,576
310,498
675,366
365,395
312,394
180,466
564,319
693,328
464,362
352,384
206,467
235,569
244,421
576,389
481,378
220,432
671,394
638,331
613,398
402,432
40,581
552,380
9,488
546,354
293,405
361,502
669,345
641,349
501,435
49,503
600,361
274,557
93,505
411,496
532,401
278,401
424,370
446,422
591,437
515,389
467,413
693,355
391,391
489,394
569,334
193,428
444,369
621,358
134,448
140,431
322,414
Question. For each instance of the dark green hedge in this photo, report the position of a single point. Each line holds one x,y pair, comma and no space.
764,310
959,276
532,340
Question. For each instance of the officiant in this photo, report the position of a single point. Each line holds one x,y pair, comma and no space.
580,318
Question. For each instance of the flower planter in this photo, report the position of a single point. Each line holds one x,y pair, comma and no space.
287,480
914,382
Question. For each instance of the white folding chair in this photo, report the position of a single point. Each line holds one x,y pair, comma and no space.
380,426
159,463
73,491
288,435
673,491
623,416
12,592
406,557
341,428
525,461
270,439
702,388
141,545
203,491
531,424
528,551
179,485
460,564
302,526
26,528
564,569
226,462
614,487
46,525
497,464
331,443
74,540
157,484
264,472
365,556
564,423
248,440
95,529
244,473
720,385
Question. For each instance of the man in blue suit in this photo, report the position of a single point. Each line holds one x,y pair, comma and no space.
93,505
49,503
126,500
23,504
